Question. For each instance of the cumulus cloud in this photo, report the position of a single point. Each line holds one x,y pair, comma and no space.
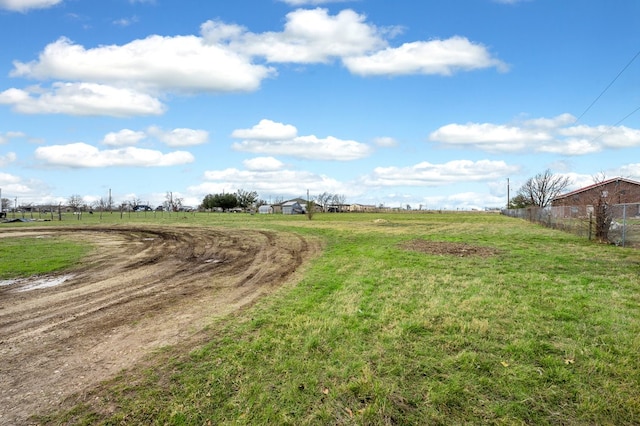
181,64
310,2
17,186
556,135
81,99
82,155
267,130
309,36
180,136
443,57
25,5
129,79
271,138
427,174
631,171
124,137
385,141
284,182
7,159
264,164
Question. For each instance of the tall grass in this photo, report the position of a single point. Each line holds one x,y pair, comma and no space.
546,330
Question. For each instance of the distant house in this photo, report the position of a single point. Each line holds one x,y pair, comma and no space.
613,191
292,207
361,208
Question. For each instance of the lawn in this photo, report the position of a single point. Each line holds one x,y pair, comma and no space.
27,256
453,318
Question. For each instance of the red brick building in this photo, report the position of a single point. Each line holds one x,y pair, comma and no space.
612,191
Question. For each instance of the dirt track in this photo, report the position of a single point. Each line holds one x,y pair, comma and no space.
142,288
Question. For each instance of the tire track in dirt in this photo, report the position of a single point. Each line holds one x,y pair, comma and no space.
142,288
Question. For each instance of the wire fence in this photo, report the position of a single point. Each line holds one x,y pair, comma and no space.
621,222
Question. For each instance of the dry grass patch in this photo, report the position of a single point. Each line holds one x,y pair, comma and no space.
449,248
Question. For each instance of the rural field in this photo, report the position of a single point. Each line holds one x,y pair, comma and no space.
377,319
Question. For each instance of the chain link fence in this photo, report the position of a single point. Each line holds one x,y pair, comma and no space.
620,224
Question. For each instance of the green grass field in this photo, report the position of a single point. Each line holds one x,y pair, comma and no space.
24,257
535,327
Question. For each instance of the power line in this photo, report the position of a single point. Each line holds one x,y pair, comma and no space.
607,88
627,116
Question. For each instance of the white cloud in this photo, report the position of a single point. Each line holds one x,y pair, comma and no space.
81,155
427,174
124,137
7,159
25,5
489,137
385,141
263,164
6,137
286,183
129,79
631,171
180,64
442,57
180,136
125,22
13,186
555,135
81,99
264,141
267,130
309,36
310,2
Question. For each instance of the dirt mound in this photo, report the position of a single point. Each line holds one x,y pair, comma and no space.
142,288
449,248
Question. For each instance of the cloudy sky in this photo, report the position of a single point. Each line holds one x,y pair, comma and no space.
432,104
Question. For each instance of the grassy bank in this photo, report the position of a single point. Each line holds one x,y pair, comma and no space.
409,319
27,256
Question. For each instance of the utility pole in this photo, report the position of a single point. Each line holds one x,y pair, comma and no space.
508,195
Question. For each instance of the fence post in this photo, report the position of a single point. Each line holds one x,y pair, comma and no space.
624,223
590,224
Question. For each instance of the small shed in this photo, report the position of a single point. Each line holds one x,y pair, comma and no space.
265,209
292,207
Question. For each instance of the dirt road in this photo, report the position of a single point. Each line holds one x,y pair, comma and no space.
141,288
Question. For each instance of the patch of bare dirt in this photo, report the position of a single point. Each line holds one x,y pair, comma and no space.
449,248
141,289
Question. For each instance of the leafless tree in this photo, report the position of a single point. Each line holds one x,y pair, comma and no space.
101,205
172,203
338,200
603,207
541,189
75,202
324,199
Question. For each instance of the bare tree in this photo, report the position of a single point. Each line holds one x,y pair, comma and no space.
541,189
172,203
75,202
338,201
135,201
603,205
101,205
324,199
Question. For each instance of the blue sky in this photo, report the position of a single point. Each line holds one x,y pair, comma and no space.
432,104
